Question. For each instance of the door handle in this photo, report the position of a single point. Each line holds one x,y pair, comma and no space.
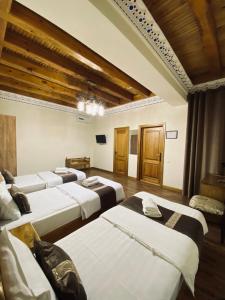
160,156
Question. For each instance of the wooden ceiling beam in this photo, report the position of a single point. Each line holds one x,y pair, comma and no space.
10,82
34,81
18,62
5,6
203,15
33,50
33,95
34,24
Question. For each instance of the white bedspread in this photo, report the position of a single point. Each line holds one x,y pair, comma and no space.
113,266
172,246
43,204
88,199
29,183
51,179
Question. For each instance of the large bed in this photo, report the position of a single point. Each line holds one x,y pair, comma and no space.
125,255
54,207
47,179
134,257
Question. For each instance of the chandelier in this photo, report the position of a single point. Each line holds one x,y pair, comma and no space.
90,105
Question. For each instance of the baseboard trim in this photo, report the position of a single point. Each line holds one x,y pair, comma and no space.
103,170
171,188
166,187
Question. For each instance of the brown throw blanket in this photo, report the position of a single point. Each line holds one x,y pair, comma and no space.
182,223
107,195
67,177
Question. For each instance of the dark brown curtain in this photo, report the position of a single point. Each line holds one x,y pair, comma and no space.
205,144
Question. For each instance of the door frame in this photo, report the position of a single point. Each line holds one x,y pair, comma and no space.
139,154
114,149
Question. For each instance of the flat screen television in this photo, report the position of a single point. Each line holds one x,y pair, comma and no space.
101,139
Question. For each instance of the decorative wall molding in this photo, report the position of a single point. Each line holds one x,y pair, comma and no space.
137,12
208,85
7,96
142,19
29,100
134,105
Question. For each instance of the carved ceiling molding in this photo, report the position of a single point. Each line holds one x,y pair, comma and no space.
137,12
134,105
140,16
208,85
33,101
80,116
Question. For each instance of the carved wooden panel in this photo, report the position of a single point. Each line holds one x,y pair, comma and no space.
8,143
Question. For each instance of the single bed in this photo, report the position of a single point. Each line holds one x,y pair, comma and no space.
50,208
55,207
47,179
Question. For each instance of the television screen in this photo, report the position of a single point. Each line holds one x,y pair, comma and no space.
101,139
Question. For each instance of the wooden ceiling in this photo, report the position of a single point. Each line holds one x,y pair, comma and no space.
40,60
196,31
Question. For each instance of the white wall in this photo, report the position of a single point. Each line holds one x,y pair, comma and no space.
46,136
175,119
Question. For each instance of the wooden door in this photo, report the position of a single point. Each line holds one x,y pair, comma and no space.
8,143
151,154
121,148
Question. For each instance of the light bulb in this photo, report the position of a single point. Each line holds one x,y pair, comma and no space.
88,109
80,105
101,110
94,108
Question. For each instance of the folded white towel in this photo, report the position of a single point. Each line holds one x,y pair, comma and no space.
61,170
88,184
150,209
91,179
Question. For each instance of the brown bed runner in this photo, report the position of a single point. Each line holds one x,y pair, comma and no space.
182,223
67,177
107,195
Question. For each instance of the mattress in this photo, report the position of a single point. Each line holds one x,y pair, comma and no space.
30,183
50,210
112,265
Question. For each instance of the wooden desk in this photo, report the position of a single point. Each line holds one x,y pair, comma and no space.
213,186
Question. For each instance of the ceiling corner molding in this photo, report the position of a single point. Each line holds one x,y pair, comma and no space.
210,85
134,105
142,19
139,15
33,101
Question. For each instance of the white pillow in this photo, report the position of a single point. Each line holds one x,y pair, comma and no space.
2,180
22,277
8,208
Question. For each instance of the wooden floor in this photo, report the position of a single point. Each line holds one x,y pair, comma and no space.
210,279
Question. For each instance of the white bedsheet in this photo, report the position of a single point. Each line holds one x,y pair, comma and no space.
114,266
29,183
172,246
50,209
88,199
51,179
